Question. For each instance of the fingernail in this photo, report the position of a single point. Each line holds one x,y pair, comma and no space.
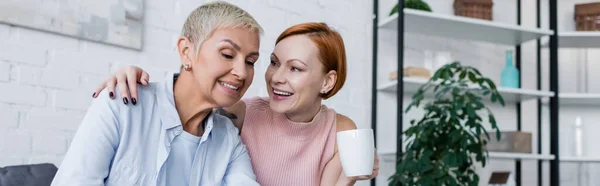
125,101
111,94
134,101
94,95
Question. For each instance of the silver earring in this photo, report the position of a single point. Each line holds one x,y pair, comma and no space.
186,67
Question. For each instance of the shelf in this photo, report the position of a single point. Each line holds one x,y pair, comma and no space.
458,27
576,39
580,159
520,156
495,155
510,95
579,98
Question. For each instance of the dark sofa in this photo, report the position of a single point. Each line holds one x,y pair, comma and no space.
27,175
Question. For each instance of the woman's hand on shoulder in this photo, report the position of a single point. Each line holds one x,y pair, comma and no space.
126,78
236,113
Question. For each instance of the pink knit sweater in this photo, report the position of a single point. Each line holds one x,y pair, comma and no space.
284,152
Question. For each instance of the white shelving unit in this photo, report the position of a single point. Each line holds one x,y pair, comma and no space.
520,156
459,28
580,159
578,39
579,99
456,27
510,95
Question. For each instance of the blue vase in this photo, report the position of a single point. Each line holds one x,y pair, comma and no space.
510,74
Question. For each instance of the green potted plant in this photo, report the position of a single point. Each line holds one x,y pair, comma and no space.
412,4
444,143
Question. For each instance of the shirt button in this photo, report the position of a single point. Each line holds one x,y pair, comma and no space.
168,144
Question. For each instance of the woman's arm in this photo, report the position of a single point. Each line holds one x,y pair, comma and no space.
126,79
87,162
333,173
236,113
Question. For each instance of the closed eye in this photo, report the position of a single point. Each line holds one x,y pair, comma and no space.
227,56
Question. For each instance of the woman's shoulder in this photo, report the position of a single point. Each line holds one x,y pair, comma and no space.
344,123
224,124
118,103
256,103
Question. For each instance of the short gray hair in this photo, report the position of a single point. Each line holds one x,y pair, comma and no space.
203,21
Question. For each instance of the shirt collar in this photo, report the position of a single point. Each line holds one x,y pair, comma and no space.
166,105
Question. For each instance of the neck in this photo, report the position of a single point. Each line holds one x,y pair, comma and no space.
305,115
191,107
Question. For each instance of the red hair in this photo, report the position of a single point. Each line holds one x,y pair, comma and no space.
332,52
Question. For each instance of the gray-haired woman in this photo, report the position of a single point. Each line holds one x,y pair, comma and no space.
171,136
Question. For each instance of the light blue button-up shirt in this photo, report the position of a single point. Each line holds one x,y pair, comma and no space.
118,144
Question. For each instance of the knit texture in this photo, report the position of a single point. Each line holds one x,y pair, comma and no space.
284,152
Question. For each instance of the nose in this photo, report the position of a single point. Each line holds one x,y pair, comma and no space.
239,70
279,76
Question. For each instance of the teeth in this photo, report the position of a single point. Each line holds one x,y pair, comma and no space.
282,93
229,86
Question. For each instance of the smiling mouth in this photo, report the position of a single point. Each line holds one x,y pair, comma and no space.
229,86
282,93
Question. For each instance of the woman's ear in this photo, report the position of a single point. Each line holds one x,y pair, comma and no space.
184,48
329,82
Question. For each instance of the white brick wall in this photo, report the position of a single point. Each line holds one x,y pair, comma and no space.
10,118
4,72
46,80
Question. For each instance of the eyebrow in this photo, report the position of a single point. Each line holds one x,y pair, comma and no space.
290,60
235,45
238,48
298,60
254,54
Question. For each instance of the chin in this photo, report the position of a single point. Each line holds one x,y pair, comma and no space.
226,101
278,108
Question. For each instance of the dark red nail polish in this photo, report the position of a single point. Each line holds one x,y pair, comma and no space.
94,95
111,94
125,101
134,101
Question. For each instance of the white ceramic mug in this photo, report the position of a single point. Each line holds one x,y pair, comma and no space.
357,151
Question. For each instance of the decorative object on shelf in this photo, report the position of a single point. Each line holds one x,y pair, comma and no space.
478,9
443,146
578,136
510,74
412,4
501,179
587,16
416,72
511,141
